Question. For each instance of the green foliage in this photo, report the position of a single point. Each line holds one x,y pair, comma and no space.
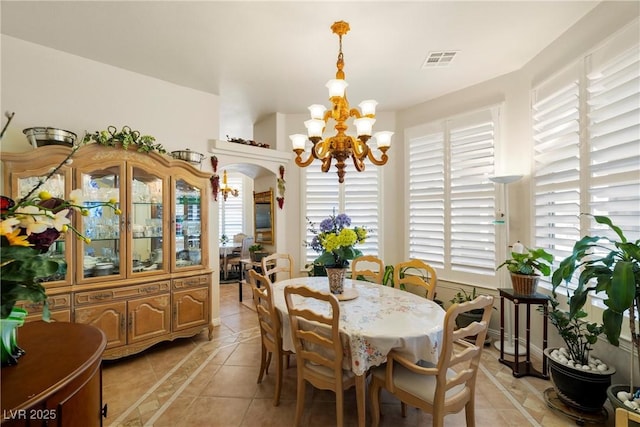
609,266
255,248
125,138
530,262
22,269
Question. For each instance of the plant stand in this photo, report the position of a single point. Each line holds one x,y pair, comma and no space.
581,418
521,369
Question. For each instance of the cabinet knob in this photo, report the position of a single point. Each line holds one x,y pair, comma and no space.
104,410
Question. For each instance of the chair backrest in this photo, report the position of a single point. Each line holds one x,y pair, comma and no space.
277,263
413,282
246,243
368,266
268,317
318,348
623,416
461,351
239,238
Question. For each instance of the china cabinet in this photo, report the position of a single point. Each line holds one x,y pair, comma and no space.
144,277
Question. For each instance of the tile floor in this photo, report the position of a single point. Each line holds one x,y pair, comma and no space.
196,382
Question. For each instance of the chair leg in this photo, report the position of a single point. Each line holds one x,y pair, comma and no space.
269,354
263,363
299,398
470,413
403,409
340,408
374,396
276,398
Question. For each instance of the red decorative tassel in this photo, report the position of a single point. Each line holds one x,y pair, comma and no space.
215,185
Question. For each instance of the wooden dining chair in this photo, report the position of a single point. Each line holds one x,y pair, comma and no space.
447,387
624,416
369,267
234,260
277,263
424,283
270,330
318,355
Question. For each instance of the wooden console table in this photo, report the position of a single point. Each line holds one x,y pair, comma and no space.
58,382
521,369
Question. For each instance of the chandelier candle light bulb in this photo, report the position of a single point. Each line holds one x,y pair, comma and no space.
341,146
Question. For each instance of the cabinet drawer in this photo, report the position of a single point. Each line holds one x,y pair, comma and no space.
190,282
102,295
56,302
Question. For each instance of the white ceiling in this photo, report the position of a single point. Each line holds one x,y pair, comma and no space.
265,57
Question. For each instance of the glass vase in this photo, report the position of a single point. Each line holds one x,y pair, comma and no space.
9,349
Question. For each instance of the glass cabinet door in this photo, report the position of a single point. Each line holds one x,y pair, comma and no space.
58,185
147,224
101,258
188,224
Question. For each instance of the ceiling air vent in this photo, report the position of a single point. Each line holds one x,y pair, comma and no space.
439,59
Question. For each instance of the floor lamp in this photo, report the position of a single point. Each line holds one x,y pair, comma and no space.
502,219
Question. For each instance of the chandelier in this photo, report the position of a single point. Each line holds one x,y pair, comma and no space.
225,189
341,146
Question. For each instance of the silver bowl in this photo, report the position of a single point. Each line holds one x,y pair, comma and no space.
40,136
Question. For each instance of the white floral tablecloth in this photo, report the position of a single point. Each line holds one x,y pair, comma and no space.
379,320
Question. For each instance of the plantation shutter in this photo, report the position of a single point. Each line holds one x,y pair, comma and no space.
427,199
556,145
451,199
358,197
614,130
473,239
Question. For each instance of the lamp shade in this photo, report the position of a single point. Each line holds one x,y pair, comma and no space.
364,126
383,138
368,107
298,141
337,87
317,111
314,127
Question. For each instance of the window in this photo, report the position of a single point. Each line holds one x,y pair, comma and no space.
358,197
231,211
451,198
586,128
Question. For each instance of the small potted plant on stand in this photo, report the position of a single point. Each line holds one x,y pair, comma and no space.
611,265
255,252
524,267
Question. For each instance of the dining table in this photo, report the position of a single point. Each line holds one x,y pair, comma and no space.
225,250
374,320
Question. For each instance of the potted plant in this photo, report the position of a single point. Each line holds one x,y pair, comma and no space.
610,265
525,268
254,250
335,241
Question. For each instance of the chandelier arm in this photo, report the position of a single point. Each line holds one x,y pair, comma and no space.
358,162
326,164
304,163
360,148
383,158
322,149
354,112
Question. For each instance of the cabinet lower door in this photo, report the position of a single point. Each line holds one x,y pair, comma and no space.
149,317
111,318
191,308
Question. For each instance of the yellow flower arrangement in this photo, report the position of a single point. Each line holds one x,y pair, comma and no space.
336,241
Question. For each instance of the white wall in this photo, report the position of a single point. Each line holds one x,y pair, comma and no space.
46,87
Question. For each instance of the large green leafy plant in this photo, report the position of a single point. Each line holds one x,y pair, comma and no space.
610,266
529,262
